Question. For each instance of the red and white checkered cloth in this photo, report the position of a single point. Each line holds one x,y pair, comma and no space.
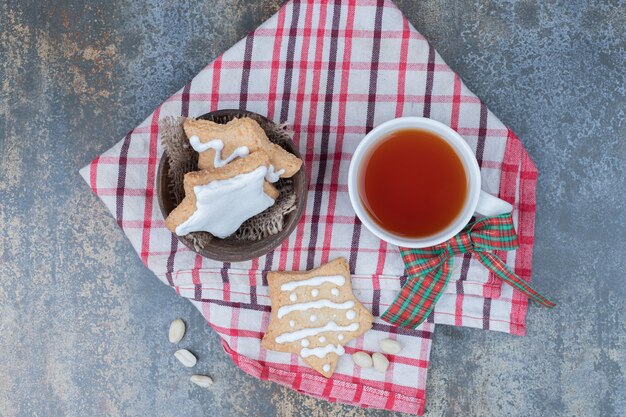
332,71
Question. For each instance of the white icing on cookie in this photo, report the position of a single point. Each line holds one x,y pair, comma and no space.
293,296
314,282
305,342
313,317
223,205
322,339
272,175
320,352
331,326
350,315
292,323
218,146
334,292
340,336
321,303
326,368
315,292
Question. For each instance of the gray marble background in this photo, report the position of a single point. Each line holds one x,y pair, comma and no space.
83,323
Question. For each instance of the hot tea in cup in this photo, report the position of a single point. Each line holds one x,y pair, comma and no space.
415,182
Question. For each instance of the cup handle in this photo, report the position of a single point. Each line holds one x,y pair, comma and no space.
489,205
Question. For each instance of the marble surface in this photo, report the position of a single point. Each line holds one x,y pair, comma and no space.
83,324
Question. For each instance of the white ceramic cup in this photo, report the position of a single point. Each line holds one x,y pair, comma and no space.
477,201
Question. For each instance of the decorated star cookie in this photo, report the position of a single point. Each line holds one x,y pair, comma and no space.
218,144
314,314
219,200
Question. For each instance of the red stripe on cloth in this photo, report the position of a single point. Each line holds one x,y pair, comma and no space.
341,118
298,122
195,277
328,388
508,185
215,88
358,33
358,393
526,230
398,359
236,333
312,120
93,175
356,129
380,264
511,166
529,175
275,63
234,324
352,97
402,68
424,356
325,145
147,214
124,192
456,103
115,160
369,121
475,317
297,380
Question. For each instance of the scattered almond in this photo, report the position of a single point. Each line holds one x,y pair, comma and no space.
362,359
186,358
177,331
202,380
390,346
381,363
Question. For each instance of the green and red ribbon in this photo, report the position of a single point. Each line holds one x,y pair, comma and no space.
429,269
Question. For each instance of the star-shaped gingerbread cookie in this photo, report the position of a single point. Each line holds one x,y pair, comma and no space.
219,144
219,200
314,314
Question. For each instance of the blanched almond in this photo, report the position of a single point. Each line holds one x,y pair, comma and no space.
186,358
362,359
202,380
381,363
390,346
177,331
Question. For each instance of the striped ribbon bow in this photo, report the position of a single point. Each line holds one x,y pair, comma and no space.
429,269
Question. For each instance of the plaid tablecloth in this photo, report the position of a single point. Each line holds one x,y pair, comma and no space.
332,71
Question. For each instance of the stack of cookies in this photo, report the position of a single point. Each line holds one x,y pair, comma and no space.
237,167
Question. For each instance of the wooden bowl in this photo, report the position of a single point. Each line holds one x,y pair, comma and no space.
231,249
